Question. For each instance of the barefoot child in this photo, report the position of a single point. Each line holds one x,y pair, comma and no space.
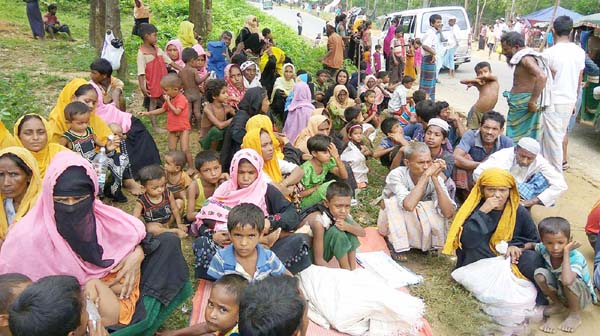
177,179
488,87
334,230
191,81
356,154
178,123
210,174
565,278
215,118
112,87
11,285
156,206
54,26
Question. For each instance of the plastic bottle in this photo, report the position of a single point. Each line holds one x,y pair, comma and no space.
100,165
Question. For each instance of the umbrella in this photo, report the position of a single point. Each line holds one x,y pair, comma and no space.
592,21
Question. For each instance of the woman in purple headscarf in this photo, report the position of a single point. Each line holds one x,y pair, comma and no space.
299,111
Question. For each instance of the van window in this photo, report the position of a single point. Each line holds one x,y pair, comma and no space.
407,24
461,21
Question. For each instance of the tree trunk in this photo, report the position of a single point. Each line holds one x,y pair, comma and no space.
97,23
113,22
201,16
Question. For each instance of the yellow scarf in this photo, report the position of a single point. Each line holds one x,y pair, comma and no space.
261,121
45,155
252,141
279,55
6,139
186,36
31,194
57,122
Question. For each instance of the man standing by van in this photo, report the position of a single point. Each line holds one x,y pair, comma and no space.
452,36
333,60
431,42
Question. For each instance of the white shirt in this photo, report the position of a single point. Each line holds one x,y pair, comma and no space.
430,39
399,184
398,98
567,60
452,36
505,159
518,27
299,20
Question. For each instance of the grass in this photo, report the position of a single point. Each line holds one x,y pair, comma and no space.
39,70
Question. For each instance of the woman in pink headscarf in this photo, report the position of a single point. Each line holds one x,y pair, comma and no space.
387,41
299,111
235,84
173,49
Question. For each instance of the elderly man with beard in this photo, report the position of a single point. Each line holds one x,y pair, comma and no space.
539,183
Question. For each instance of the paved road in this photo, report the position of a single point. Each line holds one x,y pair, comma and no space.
311,27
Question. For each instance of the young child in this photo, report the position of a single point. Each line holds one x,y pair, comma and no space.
177,179
268,38
325,159
216,116
152,67
334,231
488,87
321,85
11,285
370,111
355,154
191,81
377,59
120,169
565,278
54,26
398,105
210,175
317,41
178,123
80,137
457,128
219,54
436,136
390,145
355,114
222,310
156,206
112,87
245,256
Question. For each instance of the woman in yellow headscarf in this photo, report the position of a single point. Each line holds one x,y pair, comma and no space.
57,122
6,139
31,133
261,121
492,214
20,193
337,104
186,35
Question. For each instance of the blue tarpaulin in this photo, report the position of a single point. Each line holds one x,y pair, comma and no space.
545,15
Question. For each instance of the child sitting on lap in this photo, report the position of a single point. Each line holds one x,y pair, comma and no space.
156,206
210,174
177,179
215,118
11,285
245,256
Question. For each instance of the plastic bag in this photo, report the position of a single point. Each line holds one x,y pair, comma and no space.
110,52
507,299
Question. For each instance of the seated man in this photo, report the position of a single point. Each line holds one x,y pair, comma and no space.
537,180
475,147
416,205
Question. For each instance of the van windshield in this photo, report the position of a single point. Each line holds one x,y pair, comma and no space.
445,14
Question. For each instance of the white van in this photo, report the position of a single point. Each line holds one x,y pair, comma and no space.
415,23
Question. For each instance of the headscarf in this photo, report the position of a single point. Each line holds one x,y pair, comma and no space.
251,24
215,211
299,111
256,80
232,90
261,121
185,35
230,195
271,167
378,93
334,106
6,139
200,51
110,113
279,56
31,194
282,84
36,248
45,155
387,41
252,101
58,123
311,129
179,47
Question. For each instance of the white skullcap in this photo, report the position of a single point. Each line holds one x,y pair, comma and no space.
597,93
441,123
452,17
329,23
529,144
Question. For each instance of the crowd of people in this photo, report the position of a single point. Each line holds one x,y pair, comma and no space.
270,194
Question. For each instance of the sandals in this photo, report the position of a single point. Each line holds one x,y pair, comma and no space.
565,166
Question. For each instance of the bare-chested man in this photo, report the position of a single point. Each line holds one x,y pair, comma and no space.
488,87
527,97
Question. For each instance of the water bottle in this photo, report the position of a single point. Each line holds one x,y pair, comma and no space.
100,164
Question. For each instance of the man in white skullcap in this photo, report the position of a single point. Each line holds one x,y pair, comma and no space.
539,182
452,36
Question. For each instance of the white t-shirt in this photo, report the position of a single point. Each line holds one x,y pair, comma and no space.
452,36
398,98
299,20
567,60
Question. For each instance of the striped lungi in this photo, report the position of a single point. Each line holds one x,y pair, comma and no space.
428,76
520,122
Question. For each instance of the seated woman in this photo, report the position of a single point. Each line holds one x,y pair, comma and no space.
68,231
271,64
251,74
282,89
247,184
31,133
299,111
492,214
235,85
317,124
336,106
341,78
21,184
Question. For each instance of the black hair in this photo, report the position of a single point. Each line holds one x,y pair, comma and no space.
377,46
85,88
146,29
188,54
363,96
8,282
51,7
234,284
50,306
151,172
19,162
178,157
246,214
440,105
102,66
26,119
338,74
318,143
171,81
387,125
350,125
272,307
74,109
562,25
266,31
434,18
339,189
399,29
205,156
363,66
419,96
513,39
426,110
554,225
352,112
381,74
239,59
482,65
495,116
226,33
213,89
322,71
407,79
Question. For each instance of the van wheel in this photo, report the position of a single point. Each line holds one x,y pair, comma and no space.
456,66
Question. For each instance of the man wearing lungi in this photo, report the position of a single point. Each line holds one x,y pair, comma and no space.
431,42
